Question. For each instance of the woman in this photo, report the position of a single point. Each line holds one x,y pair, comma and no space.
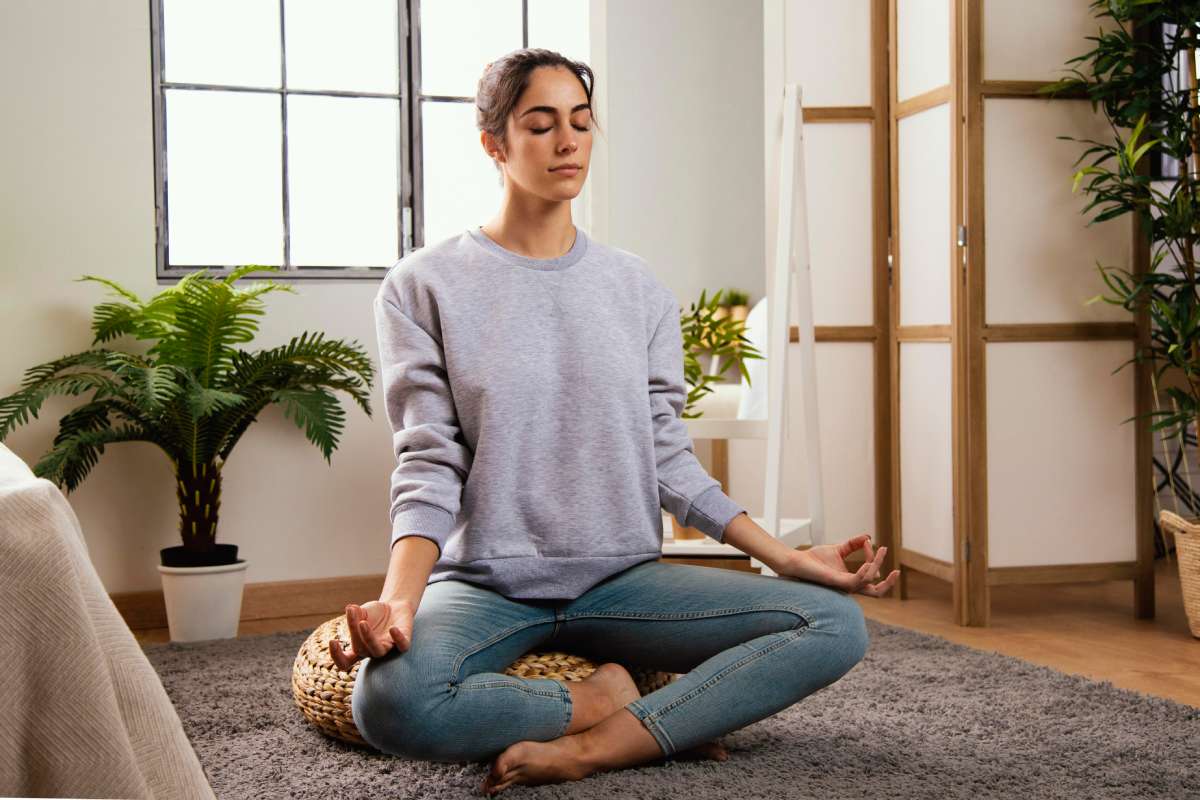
534,383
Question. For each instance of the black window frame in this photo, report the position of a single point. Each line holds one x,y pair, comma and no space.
410,218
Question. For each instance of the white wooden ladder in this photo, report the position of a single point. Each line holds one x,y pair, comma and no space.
792,269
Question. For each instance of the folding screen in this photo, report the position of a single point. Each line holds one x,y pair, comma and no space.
1012,462
950,266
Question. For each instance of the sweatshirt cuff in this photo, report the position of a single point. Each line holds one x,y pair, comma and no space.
421,519
711,512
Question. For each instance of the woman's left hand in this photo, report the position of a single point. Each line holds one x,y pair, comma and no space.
825,564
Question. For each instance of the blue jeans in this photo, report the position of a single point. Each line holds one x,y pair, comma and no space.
749,646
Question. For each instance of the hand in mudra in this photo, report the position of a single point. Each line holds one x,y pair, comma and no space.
826,564
375,628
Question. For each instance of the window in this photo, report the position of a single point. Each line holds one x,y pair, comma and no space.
328,139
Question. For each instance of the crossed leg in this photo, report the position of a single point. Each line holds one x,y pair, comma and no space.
748,645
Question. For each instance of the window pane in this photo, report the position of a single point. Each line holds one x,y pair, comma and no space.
459,38
344,46
462,187
231,42
342,185
560,25
223,178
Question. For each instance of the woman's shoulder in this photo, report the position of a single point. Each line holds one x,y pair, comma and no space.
635,269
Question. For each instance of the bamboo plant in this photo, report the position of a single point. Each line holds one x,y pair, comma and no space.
193,392
704,330
1151,104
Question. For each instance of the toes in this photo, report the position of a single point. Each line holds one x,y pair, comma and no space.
713,750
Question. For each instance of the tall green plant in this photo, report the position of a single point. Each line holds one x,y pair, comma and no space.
724,337
194,392
1133,74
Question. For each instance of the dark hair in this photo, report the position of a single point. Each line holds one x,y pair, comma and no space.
505,79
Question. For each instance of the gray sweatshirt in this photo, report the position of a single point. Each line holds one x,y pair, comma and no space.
535,407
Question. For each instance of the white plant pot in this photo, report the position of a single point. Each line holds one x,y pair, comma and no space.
203,602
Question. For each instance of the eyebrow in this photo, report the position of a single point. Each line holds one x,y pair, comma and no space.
553,110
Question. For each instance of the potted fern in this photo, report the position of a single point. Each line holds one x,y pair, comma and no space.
706,331
193,393
1142,73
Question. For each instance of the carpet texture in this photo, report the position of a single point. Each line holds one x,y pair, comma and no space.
919,717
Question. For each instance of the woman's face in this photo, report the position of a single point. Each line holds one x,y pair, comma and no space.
551,125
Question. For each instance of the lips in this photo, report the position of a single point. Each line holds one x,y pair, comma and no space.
566,171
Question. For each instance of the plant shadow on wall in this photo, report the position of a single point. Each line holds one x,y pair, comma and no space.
1142,73
193,392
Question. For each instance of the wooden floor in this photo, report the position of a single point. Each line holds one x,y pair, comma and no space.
1083,629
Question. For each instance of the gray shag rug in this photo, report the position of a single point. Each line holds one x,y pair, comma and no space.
919,717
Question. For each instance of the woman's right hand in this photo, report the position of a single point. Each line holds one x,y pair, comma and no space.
375,627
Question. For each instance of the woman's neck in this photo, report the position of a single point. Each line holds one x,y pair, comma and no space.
543,232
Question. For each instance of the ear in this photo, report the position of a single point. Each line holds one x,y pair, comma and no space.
490,146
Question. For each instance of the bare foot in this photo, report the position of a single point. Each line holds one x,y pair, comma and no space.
714,750
533,763
597,696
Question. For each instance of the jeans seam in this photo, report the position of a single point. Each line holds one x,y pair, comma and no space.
470,651
506,685
790,637
692,614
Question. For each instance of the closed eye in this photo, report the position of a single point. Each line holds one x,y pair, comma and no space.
576,127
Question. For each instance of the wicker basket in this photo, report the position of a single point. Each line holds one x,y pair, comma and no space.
322,691
1186,533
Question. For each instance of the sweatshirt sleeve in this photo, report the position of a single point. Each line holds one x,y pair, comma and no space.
685,490
432,457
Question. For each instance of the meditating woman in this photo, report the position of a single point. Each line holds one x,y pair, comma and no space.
534,383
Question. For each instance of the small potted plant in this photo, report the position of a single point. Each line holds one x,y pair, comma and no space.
739,304
706,331
193,392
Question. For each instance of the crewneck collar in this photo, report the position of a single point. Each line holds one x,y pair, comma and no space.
578,248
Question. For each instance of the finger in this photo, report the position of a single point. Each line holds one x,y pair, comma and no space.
881,588
877,563
861,577
373,645
335,652
399,638
868,550
352,619
855,543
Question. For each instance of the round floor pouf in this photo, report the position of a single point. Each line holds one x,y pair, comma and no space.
322,691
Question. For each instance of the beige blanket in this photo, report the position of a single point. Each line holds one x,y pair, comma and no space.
84,712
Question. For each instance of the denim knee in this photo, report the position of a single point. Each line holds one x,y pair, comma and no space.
395,711
850,624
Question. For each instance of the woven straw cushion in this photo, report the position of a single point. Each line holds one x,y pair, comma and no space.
322,691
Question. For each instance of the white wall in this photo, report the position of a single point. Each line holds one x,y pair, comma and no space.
685,141
76,153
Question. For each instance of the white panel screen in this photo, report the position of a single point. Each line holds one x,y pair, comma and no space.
922,46
827,50
1041,254
1060,462
926,450
1032,40
837,158
923,149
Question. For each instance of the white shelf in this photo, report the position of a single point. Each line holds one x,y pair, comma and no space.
707,428
795,532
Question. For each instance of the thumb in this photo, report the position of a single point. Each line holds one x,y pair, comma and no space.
401,638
